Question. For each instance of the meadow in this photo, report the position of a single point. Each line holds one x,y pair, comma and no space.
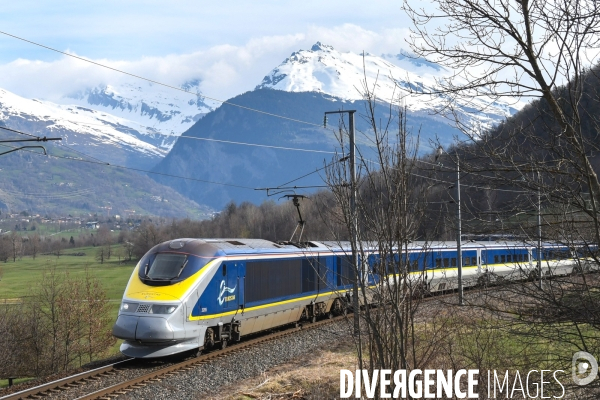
18,278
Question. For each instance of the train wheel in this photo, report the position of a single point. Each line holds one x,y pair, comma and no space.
337,308
209,340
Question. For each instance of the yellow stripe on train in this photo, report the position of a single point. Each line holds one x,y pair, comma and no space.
202,317
138,290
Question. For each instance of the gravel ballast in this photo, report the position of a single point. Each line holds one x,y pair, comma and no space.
207,378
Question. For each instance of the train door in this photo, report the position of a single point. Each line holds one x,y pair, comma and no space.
229,291
323,272
483,259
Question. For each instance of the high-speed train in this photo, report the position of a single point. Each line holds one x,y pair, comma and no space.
194,294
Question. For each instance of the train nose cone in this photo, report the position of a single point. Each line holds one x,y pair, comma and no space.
146,329
153,329
125,327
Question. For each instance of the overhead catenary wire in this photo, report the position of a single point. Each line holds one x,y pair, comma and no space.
205,139
258,145
452,183
19,132
100,162
143,170
160,83
310,173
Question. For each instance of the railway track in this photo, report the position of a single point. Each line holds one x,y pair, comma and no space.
63,384
96,385
69,386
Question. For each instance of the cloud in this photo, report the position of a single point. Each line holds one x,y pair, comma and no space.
225,70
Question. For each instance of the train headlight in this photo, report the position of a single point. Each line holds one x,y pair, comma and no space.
162,309
128,307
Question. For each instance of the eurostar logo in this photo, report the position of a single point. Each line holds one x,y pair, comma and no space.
224,289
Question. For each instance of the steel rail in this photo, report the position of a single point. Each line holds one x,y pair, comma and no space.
157,375
64,382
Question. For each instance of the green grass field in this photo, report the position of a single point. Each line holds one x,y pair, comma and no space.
17,278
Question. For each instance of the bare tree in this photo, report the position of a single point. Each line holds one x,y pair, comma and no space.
541,165
101,254
148,235
390,207
520,49
34,245
16,243
96,314
64,323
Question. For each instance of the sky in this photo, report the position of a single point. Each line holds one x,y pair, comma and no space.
229,45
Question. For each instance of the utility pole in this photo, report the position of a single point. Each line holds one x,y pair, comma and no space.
353,216
459,260
459,234
539,249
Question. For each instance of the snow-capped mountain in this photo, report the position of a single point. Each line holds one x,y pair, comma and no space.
95,133
131,125
156,114
302,88
325,70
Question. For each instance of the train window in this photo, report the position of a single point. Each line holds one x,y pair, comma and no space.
496,260
467,261
309,276
224,269
438,263
446,262
454,262
508,258
473,260
167,266
502,258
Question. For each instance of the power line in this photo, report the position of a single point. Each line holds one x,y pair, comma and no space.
452,183
159,83
19,132
83,154
216,140
145,171
313,172
258,145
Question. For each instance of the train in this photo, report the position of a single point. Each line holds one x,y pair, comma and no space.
190,295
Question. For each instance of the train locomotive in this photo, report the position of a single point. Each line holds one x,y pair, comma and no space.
194,294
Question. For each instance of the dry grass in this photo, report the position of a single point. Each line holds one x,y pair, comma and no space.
312,376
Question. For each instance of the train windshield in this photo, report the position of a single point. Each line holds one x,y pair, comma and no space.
166,266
